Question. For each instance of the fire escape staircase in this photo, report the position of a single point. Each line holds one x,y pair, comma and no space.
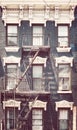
20,119
26,69
53,89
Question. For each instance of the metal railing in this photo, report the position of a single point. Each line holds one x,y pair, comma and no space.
36,40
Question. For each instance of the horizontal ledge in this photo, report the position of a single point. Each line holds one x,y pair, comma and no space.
63,49
64,91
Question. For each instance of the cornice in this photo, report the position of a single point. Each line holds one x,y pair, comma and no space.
15,11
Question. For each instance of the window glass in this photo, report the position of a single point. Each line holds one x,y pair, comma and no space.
37,119
11,75
37,71
64,75
63,31
37,77
37,35
63,119
11,115
64,83
12,35
63,114
64,70
63,36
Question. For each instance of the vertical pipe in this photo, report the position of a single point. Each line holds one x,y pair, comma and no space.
74,118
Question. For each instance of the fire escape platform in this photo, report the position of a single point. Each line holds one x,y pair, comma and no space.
35,48
26,93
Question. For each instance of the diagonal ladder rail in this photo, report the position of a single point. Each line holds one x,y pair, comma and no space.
26,70
31,106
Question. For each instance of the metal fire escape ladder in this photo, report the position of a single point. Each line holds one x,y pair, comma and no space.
20,80
26,69
31,106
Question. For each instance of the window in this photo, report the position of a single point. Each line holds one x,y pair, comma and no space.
11,75
37,119
12,34
62,35
37,35
11,116
63,119
64,77
37,77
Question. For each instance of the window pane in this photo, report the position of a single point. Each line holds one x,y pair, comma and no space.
11,74
12,34
37,128
63,114
37,71
37,119
37,112
37,122
12,40
63,124
37,84
64,70
63,36
62,30
12,29
11,115
64,83
37,35
64,77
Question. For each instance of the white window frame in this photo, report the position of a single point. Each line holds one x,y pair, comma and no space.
37,77
11,118
65,105
38,35
37,119
12,60
12,34
11,77
63,118
64,77
63,36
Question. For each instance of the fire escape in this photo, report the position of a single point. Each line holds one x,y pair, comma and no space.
29,55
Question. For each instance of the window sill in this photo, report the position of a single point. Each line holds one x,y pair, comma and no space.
63,49
12,49
64,91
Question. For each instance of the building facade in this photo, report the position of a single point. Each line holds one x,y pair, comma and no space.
38,65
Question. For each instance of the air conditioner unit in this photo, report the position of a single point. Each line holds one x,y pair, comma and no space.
65,87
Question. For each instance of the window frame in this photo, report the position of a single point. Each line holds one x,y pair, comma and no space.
37,36
7,86
37,118
67,37
67,120
63,77
12,118
37,78
7,34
